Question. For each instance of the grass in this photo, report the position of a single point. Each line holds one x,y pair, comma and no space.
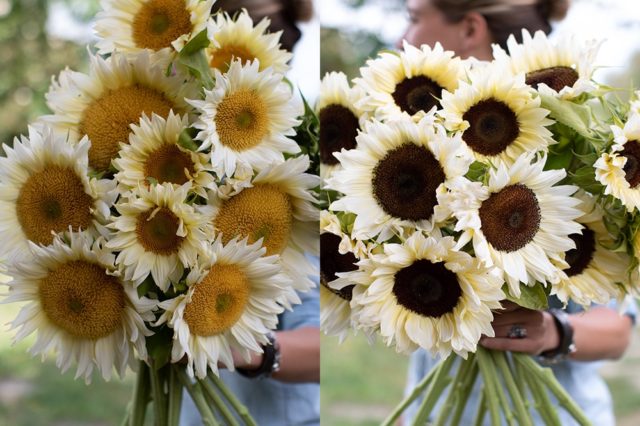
49,397
360,384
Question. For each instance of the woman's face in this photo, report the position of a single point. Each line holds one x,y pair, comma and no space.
428,25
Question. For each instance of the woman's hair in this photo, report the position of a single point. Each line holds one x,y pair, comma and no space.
505,17
284,14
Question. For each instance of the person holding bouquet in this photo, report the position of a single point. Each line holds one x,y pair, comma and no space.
567,338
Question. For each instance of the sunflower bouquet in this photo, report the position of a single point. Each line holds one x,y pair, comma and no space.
452,185
159,218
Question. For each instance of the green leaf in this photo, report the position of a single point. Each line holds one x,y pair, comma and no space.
577,117
186,141
192,57
477,171
159,346
196,44
531,297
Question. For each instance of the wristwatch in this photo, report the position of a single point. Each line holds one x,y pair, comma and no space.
270,360
566,346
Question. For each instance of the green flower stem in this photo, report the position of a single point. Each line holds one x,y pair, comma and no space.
159,398
546,376
242,411
140,396
520,380
465,391
415,393
127,415
482,407
454,392
547,411
440,382
213,396
175,396
197,394
492,388
522,414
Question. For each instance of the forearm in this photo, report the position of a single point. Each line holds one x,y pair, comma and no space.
299,355
600,333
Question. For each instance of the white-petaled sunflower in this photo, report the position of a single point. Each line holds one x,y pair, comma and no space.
498,115
408,84
562,68
278,208
80,307
391,179
425,293
519,222
595,273
114,95
231,304
335,310
4,278
247,119
339,119
619,169
238,39
158,233
130,26
45,189
154,153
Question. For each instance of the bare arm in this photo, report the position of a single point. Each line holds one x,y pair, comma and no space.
599,333
299,356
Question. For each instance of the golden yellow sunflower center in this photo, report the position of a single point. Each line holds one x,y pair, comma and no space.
106,121
218,301
221,58
241,120
264,211
80,298
52,200
169,164
159,22
157,231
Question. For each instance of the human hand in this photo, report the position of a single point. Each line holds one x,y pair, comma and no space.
541,331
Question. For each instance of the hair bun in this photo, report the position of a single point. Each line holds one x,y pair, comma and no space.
302,10
556,10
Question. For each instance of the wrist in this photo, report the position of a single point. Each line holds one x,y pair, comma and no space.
552,334
565,347
266,363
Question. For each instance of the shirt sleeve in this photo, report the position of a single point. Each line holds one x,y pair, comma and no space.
306,314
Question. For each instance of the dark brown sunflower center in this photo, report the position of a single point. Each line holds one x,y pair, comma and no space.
169,164
555,77
417,94
405,182
493,126
426,288
157,232
332,262
338,130
631,169
510,218
580,257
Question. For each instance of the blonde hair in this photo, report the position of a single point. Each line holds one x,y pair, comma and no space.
505,17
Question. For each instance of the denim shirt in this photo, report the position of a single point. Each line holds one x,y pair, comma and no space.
270,402
580,379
